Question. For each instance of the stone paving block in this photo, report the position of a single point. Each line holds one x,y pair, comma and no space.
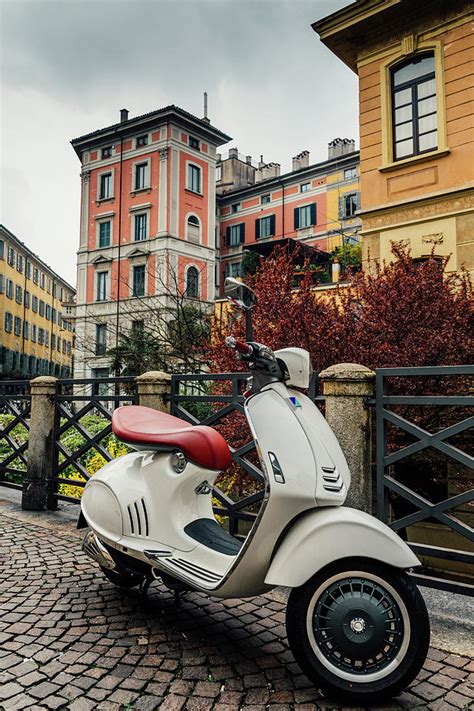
11,688
16,703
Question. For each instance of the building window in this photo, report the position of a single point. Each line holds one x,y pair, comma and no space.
101,294
350,205
28,269
34,304
193,229
10,289
265,199
104,234
59,344
233,270
11,256
236,207
350,173
414,107
105,189
26,330
193,143
141,176
304,187
192,283
140,227
35,275
138,326
235,235
194,178
2,248
53,315
27,299
106,152
100,339
41,336
305,216
42,281
142,140
19,263
46,339
265,227
53,341
48,312
8,322
18,294
139,280
218,172
33,333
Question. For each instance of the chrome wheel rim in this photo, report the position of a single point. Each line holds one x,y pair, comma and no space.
358,626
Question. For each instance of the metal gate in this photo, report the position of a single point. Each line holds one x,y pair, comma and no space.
399,503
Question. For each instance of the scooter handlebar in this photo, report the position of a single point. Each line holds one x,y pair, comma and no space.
239,346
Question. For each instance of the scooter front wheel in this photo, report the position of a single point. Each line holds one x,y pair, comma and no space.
359,629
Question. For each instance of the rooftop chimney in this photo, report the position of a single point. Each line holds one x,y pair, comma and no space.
267,170
205,117
301,160
233,152
340,147
123,115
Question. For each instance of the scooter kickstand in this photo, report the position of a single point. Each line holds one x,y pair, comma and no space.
144,585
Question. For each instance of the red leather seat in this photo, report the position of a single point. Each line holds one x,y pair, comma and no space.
200,444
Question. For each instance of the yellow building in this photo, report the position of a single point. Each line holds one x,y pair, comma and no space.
416,92
34,338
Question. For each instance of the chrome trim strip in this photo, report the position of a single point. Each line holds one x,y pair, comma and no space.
92,547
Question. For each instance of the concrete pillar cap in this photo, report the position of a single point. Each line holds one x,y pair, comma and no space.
347,371
152,376
44,380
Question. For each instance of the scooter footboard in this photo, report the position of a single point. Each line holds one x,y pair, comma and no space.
325,535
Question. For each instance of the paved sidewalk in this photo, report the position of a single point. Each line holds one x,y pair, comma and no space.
70,640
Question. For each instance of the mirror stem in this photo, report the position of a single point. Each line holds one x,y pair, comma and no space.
248,325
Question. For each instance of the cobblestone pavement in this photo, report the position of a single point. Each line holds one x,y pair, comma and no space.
69,639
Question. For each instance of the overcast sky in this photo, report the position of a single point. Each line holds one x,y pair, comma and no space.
68,66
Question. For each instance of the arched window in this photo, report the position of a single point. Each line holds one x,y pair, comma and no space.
414,117
192,282
193,229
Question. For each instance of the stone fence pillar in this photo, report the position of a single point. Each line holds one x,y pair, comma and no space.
346,387
37,485
154,389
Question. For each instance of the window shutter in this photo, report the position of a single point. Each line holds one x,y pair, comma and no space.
297,217
313,214
227,236
257,229
272,225
358,201
242,233
341,207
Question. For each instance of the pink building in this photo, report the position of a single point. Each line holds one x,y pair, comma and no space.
148,210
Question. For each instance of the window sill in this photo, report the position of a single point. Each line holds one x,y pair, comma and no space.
439,153
146,189
193,192
101,200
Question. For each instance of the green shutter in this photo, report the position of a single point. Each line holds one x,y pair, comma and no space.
257,229
313,214
227,236
296,217
242,233
272,225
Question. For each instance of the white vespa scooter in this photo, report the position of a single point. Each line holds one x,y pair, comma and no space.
356,622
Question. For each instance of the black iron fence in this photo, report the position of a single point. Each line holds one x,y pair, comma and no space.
425,468
15,408
83,440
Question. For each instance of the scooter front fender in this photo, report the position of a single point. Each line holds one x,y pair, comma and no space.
325,535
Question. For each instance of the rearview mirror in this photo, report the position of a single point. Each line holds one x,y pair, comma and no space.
239,294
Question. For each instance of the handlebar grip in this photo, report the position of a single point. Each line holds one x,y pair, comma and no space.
240,346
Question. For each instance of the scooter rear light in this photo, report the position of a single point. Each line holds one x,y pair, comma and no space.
247,393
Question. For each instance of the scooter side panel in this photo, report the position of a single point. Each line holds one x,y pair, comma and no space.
325,535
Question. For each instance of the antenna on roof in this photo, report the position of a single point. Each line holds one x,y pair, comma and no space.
205,118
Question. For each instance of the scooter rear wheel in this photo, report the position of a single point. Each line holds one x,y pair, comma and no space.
359,629
121,578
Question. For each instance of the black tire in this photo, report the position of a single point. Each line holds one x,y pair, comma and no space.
121,578
360,606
